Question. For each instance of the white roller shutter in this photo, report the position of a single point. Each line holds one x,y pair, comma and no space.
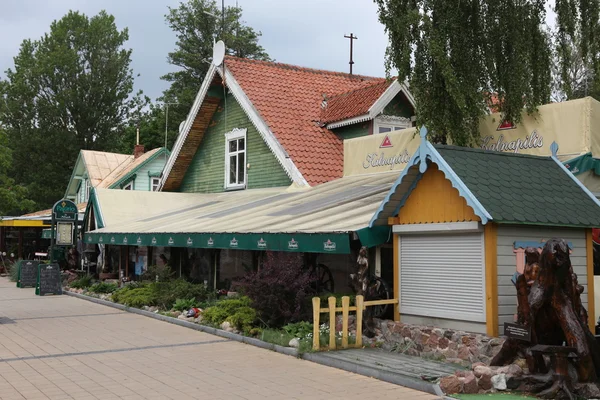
443,276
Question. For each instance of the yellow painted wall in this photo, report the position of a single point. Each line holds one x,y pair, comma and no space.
434,200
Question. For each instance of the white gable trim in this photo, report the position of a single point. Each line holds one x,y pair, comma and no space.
276,148
187,125
377,107
350,121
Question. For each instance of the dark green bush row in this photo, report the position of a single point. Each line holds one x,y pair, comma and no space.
161,294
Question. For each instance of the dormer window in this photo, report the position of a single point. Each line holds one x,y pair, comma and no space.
389,123
235,159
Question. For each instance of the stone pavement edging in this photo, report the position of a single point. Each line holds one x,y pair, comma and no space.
318,358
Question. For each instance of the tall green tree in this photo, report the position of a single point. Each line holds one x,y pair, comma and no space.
197,25
577,48
461,56
13,197
69,90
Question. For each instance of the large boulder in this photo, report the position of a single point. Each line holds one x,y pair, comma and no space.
470,383
499,382
451,384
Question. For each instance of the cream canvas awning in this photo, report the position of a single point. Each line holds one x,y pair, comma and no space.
318,219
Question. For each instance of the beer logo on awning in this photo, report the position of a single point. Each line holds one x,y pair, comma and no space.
89,238
210,242
233,243
139,240
101,239
190,241
386,143
329,245
112,239
125,240
153,240
261,244
292,244
171,241
504,125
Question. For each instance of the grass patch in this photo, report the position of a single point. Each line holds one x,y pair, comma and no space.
491,396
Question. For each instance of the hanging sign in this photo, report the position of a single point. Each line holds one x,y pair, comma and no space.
65,210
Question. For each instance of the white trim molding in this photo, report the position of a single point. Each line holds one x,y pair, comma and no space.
390,121
445,227
235,134
187,125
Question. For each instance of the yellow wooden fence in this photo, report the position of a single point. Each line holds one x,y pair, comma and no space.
345,309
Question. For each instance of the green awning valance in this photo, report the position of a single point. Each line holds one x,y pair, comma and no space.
338,243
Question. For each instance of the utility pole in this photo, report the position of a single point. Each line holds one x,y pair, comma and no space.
351,37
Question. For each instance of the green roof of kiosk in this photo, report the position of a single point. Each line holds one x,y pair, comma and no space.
500,187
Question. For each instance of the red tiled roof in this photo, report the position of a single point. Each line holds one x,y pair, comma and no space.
353,103
288,98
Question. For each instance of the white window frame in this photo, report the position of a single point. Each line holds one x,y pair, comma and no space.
129,186
229,136
390,121
154,183
87,190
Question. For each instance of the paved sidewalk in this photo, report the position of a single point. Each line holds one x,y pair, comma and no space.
60,347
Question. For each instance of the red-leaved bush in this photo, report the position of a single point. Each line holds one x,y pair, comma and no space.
280,291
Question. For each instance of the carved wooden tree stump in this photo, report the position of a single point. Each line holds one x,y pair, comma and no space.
549,302
360,283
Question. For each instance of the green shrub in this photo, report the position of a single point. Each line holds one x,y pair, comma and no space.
83,282
163,294
237,312
167,293
243,319
13,270
164,274
136,297
103,287
299,330
182,305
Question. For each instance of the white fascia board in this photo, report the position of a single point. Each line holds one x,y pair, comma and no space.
188,125
377,108
276,148
349,121
449,227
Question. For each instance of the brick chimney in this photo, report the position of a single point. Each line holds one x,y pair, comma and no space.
138,149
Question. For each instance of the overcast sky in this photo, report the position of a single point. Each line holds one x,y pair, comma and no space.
304,32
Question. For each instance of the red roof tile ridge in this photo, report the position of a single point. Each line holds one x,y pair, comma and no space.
300,68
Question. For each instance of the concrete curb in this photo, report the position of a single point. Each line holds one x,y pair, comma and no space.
318,358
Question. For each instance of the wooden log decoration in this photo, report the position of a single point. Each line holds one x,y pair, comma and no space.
549,302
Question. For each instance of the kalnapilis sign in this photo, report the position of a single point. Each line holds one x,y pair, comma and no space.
574,125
